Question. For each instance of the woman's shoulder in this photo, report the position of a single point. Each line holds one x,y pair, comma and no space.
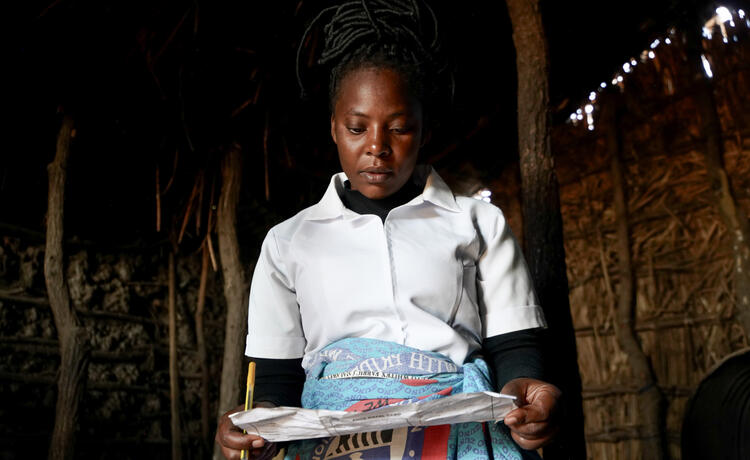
288,227
479,210
329,207
478,207
487,218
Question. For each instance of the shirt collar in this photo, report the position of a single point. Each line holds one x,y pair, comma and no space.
436,191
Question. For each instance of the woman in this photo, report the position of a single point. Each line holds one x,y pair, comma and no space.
390,273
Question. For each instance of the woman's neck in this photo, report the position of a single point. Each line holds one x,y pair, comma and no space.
360,204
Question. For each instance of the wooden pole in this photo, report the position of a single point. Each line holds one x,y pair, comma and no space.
158,200
174,375
73,339
201,345
732,215
650,399
234,287
542,221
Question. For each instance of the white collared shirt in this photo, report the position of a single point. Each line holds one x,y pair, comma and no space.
440,274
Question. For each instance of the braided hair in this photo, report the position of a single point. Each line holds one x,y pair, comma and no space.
392,34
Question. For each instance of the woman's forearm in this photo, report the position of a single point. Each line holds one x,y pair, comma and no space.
279,381
515,355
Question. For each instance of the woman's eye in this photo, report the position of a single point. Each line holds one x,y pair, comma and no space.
355,130
400,130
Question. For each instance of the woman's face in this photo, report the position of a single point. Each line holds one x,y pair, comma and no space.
377,127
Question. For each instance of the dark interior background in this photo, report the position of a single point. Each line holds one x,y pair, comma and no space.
146,79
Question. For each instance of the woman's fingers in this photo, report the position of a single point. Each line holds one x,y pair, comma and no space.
532,424
529,443
529,414
233,441
267,452
530,434
257,447
238,441
535,430
228,435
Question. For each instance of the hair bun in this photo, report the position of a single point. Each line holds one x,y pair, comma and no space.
376,32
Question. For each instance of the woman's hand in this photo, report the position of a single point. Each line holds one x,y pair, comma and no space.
534,423
233,441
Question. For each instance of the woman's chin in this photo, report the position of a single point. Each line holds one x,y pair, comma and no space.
376,192
381,187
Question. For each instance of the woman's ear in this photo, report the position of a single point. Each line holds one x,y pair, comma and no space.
333,128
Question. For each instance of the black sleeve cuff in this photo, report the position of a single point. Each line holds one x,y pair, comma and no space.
279,381
516,354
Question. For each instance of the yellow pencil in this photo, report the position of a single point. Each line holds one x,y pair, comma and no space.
249,396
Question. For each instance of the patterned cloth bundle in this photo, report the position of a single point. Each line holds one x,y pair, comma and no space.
359,374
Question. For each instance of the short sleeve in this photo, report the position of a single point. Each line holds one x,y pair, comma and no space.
506,297
274,322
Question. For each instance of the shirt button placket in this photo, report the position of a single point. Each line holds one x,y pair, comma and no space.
387,233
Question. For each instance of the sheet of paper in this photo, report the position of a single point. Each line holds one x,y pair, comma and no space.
292,423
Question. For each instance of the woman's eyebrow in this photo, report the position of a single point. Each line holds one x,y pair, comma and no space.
357,113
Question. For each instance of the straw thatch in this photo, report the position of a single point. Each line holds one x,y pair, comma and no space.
682,258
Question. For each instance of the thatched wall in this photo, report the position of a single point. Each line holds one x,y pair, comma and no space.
681,252
121,297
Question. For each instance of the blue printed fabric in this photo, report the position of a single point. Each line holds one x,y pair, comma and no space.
358,374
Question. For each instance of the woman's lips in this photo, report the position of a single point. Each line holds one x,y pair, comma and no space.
376,176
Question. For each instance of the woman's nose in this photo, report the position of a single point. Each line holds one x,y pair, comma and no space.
378,144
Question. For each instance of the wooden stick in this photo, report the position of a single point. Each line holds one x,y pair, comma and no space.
201,345
650,399
211,253
732,215
21,231
257,91
242,106
116,316
53,349
73,338
42,379
655,325
189,208
610,390
174,383
174,171
41,301
171,35
234,281
209,226
158,200
199,209
48,7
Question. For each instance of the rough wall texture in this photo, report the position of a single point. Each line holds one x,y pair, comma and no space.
121,298
681,251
